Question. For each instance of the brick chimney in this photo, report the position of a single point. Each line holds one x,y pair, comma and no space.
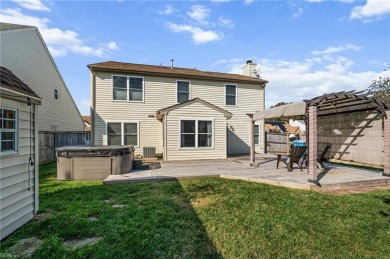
250,69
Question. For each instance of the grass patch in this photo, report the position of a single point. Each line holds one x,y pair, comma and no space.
205,218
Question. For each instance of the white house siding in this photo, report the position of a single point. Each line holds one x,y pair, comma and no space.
23,52
195,111
160,92
18,204
249,100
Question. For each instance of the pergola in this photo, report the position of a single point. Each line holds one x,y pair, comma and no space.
328,104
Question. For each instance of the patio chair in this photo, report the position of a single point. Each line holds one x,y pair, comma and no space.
321,158
296,154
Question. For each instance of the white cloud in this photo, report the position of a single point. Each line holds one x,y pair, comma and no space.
199,36
60,42
371,10
291,81
314,1
169,9
36,5
298,13
225,22
248,2
221,1
331,50
199,13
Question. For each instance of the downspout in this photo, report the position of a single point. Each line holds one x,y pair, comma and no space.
93,108
36,159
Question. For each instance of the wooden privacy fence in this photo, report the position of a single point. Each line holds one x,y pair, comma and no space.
49,141
278,143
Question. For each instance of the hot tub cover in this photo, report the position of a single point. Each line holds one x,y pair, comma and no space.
94,151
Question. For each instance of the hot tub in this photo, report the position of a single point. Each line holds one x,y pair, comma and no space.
93,163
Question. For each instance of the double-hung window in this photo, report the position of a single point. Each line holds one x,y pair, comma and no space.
128,88
230,95
122,133
196,133
8,128
183,91
257,135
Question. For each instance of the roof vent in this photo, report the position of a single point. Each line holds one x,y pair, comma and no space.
172,63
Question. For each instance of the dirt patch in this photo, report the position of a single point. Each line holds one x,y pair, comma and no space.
202,202
41,216
77,243
358,190
25,247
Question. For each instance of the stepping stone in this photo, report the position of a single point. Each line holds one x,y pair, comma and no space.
77,243
118,206
92,219
25,247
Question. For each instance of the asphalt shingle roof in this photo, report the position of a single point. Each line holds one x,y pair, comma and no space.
175,71
10,81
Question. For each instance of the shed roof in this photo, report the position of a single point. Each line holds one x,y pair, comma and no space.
175,71
162,112
10,81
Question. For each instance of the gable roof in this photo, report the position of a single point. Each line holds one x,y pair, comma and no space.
10,81
160,113
9,26
175,71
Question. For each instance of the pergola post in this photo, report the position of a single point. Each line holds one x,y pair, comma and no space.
312,153
252,140
386,145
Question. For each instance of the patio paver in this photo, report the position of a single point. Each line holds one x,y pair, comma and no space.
335,177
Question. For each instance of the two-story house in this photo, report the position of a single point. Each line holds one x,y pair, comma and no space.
184,113
24,52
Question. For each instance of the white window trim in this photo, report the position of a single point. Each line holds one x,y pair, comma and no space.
196,119
16,151
127,89
225,95
177,89
122,131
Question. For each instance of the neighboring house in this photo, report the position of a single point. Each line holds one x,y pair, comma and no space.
87,123
298,123
18,154
282,127
24,52
184,113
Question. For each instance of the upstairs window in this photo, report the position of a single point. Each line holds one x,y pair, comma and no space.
230,94
128,88
8,128
56,94
183,91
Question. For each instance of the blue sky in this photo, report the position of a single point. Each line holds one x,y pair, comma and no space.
303,48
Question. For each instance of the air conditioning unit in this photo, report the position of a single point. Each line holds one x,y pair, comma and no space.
149,152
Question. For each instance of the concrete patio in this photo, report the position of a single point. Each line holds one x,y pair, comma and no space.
334,177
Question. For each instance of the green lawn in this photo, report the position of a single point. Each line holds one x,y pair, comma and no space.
206,218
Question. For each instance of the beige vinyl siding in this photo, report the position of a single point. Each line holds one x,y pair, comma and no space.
23,52
17,203
195,111
160,92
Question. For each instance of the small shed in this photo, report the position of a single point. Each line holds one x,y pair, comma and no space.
19,153
353,112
